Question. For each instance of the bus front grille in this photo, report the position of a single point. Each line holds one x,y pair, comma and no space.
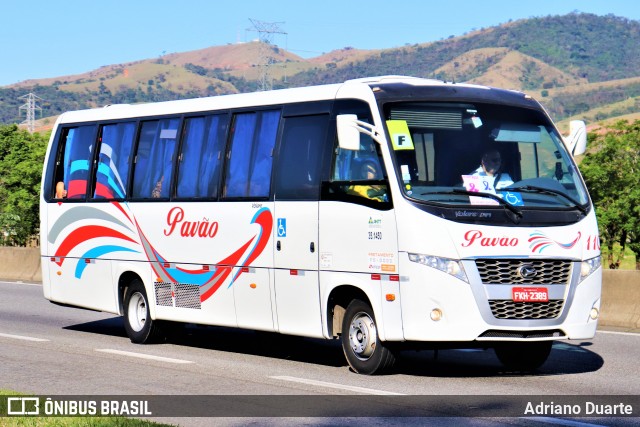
509,271
494,333
507,309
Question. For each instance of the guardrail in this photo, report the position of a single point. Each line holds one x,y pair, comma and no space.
620,288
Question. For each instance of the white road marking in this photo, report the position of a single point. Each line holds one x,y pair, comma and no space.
21,283
338,386
143,356
23,338
635,334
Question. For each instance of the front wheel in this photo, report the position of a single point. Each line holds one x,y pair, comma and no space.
137,319
523,356
363,349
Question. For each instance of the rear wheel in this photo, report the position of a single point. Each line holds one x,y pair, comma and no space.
137,319
362,347
523,356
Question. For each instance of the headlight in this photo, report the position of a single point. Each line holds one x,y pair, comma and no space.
589,266
449,266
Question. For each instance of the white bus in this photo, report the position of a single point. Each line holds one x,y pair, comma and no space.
363,211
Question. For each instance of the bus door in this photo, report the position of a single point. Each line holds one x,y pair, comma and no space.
358,227
297,189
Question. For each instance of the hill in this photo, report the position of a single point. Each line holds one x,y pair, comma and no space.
503,67
577,65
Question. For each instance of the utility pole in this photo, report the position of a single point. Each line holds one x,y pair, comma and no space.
266,31
30,107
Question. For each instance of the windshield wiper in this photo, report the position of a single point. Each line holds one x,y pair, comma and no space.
515,211
535,189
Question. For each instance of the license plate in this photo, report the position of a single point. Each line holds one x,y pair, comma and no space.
530,294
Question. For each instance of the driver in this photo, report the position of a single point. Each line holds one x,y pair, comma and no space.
491,166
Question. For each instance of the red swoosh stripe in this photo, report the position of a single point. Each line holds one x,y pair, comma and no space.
83,234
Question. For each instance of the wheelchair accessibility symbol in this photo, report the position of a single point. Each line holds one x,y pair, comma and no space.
282,227
514,199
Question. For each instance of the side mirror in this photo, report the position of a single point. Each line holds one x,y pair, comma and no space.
576,142
348,134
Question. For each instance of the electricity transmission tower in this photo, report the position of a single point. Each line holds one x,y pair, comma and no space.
30,107
266,31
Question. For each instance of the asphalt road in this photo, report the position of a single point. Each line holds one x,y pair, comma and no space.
51,350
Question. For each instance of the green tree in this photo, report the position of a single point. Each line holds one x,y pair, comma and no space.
632,226
611,170
21,160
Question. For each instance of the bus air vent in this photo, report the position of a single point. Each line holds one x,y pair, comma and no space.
163,294
187,295
182,295
431,119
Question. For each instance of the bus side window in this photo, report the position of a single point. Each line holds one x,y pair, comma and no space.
357,176
360,173
298,169
363,171
201,156
249,162
74,159
154,158
116,143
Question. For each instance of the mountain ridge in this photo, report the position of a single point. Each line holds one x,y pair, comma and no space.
557,59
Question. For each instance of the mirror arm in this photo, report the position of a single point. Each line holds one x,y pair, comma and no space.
368,129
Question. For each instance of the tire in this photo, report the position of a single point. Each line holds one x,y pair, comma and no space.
525,356
364,351
140,327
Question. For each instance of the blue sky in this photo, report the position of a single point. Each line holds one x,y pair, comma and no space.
44,38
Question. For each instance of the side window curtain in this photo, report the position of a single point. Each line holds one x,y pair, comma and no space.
262,159
248,172
154,158
237,176
116,143
201,156
299,160
72,169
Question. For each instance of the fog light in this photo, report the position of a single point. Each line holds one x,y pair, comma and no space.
594,313
436,314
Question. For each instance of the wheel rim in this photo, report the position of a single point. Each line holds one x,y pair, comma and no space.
137,311
362,336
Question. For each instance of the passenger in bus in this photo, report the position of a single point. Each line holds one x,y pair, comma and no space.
491,166
369,172
61,192
157,190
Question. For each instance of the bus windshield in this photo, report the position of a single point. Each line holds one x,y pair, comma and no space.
481,154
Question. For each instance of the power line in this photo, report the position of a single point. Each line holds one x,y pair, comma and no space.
266,32
30,107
